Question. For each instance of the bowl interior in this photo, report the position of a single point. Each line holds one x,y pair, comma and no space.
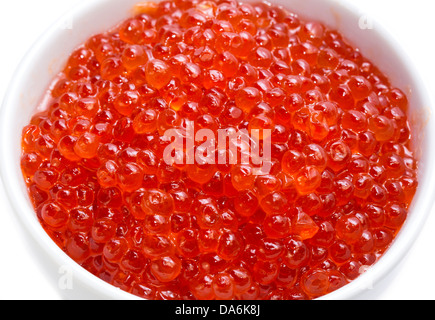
49,54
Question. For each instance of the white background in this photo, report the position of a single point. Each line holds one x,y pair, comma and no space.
22,21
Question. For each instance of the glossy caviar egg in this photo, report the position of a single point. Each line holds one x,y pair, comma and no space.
301,223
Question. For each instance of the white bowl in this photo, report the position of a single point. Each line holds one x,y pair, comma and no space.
46,58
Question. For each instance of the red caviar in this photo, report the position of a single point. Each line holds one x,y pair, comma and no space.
342,173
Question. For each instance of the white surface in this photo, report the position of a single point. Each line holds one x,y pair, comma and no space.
22,21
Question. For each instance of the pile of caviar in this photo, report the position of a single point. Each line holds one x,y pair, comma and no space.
342,173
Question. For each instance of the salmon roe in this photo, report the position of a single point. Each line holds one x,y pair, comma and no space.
342,173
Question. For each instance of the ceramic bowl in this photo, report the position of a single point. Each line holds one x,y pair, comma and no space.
47,56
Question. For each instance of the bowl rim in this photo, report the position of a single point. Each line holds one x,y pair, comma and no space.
56,256
389,260
409,232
